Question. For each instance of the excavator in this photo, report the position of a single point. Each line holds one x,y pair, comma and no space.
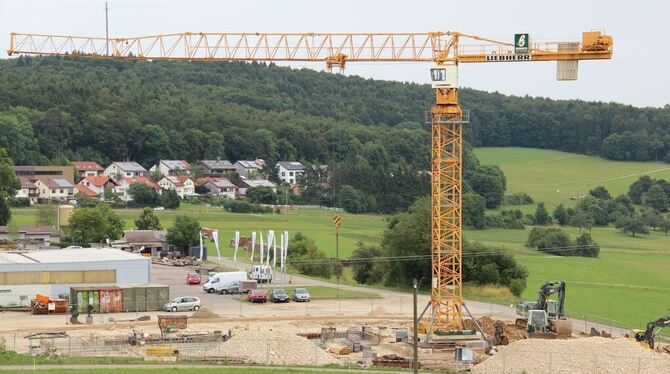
648,335
540,316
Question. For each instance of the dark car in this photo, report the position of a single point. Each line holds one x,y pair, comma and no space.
257,296
301,294
278,295
193,278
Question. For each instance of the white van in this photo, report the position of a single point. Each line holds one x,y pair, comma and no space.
217,281
261,273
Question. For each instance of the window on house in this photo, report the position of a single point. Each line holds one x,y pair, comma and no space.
62,191
283,173
290,173
53,191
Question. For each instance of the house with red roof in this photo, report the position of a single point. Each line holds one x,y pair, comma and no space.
97,185
124,185
88,168
182,184
28,190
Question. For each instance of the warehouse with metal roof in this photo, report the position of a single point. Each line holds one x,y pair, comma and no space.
52,272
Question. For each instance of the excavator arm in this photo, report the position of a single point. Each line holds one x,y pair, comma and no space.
650,333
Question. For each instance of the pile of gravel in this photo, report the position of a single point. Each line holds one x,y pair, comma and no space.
276,348
584,355
204,313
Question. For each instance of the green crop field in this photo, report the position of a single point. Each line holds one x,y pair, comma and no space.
554,177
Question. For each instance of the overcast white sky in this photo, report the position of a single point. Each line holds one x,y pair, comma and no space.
637,75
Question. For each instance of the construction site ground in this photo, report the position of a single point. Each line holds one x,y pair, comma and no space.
267,333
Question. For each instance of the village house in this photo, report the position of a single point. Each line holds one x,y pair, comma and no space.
182,184
98,185
249,169
124,185
28,190
88,168
219,187
251,183
217,168
146,242
124,169
171,167
54,189
44,234
289,171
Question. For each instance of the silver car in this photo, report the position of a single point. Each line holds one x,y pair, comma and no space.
301,294
183,304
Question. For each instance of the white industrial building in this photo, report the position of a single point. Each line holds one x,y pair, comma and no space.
52,272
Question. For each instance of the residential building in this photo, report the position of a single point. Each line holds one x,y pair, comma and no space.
170,167
125,169
182,184
217,168
88,168
44,234
98,184
289,171
250,169
250,183
124,186
41,172
83,190
54,189
219,187
28,190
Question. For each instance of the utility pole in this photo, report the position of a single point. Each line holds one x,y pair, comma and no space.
415,343
107,28
337,221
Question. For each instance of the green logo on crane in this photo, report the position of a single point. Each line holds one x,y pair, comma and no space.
521,42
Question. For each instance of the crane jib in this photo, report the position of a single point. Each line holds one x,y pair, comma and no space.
508,58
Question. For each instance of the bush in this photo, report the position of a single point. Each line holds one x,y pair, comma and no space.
519,198
20,202
517,286
507,219
484,265
307,258
365,269
556,241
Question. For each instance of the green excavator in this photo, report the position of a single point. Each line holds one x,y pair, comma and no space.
542,316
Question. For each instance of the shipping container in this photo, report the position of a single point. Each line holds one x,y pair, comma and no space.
111,300
82,297
142,298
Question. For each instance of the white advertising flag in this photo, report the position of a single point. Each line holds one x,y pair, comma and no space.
201,248
262,252
215,237
237,244
253,245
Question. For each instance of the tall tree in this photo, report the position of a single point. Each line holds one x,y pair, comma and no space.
542,217
9,184
148,220
185,233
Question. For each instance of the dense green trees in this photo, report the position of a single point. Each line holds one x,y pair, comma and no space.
148,220
307,258
261,195
9,184
94,225
185,233
170,199
474,211
364,265
143,195
556,241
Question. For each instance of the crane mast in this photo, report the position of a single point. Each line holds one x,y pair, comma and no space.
444,49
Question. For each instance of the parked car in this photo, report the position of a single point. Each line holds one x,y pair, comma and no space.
159,209
301,294
257,296
193,278
278,295
182,304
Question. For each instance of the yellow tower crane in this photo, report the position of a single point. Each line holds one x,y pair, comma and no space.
443,49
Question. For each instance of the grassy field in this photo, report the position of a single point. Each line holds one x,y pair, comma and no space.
316,224
553,177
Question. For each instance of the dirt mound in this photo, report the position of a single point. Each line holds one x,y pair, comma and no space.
488,326
203,313
585,355
276,348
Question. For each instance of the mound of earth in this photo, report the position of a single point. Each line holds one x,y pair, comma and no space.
584,355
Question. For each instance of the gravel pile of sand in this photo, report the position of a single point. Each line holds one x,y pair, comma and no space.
204,313
585,355
488,325
275,347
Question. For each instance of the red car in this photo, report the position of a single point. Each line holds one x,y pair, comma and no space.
193,278
257,296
